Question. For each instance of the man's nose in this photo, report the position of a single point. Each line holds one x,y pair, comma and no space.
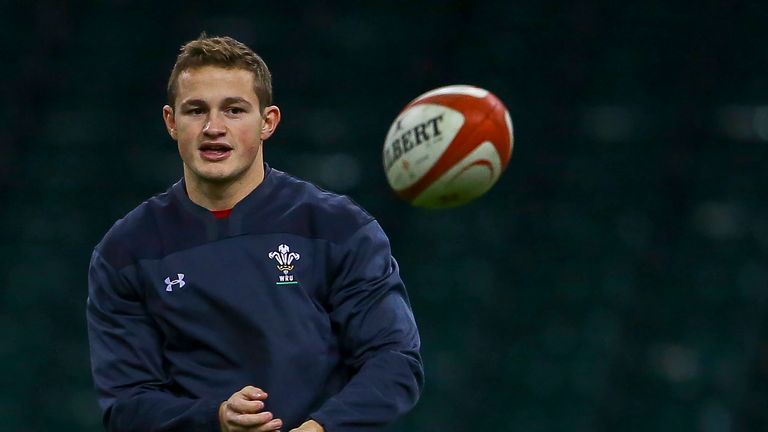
215,125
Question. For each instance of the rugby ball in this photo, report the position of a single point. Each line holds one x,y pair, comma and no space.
448,146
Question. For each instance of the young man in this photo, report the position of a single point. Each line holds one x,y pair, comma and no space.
244,299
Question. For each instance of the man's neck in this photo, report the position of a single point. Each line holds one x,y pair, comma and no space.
224,195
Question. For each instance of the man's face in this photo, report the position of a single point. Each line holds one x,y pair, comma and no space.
218,125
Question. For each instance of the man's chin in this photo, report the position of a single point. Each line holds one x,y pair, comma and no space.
217,179
216,174
214,177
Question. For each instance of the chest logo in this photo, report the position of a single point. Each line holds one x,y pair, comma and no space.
284,258
170,283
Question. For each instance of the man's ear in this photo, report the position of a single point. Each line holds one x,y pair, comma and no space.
170,121
271,117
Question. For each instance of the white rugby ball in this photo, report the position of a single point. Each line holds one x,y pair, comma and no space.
448,146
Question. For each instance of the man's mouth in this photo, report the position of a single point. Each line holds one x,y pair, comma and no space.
215,151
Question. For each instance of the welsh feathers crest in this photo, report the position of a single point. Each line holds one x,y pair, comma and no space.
284,258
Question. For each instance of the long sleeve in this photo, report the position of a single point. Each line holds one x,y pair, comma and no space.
379,338
127,364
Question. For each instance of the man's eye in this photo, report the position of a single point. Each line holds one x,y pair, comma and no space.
236,110
195,111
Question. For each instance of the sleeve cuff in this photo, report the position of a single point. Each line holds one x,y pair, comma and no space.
211,418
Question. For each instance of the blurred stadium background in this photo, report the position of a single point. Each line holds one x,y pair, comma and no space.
614,279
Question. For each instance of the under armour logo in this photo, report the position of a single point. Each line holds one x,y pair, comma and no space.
170,283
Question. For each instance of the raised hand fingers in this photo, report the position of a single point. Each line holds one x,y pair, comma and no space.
248,400
244,406
263,421
252,393
269,426
243,412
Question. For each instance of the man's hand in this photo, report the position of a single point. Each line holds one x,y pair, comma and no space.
309,426
242,412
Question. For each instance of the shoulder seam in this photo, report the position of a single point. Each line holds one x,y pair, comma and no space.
334,194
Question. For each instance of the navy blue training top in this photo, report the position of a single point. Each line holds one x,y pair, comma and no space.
296,292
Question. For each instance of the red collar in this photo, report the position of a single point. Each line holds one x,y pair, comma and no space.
221,214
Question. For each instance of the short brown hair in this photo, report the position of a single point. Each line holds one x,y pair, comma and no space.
223,52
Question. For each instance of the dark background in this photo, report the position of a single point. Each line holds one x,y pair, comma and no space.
614,279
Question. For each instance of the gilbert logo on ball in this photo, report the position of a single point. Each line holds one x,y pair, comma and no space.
448,146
